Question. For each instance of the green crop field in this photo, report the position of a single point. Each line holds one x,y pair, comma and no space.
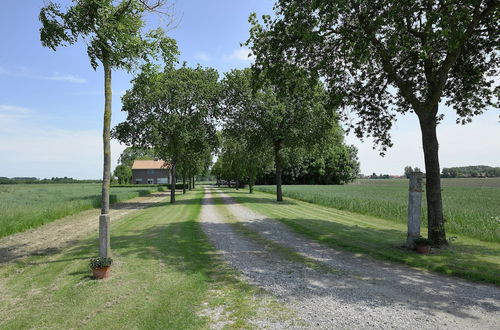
24,206
471,205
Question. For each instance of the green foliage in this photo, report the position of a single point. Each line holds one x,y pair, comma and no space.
123,173
172,112
112,31
471,206
423,241
130,154
471,171
100,262
380,56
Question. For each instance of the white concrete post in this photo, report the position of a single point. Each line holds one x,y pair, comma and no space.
104,244
414,208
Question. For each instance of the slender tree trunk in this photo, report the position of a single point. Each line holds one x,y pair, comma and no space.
190,186
251,180
104,236
183,184
279,170
194,182
172,186
436,230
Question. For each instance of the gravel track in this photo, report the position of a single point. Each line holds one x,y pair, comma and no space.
54,236
364,294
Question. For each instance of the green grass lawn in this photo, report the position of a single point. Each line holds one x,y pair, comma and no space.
471,205
382,239
165,276
24,206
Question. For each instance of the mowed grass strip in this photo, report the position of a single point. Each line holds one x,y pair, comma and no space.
24,206
165,275
471,205
466,257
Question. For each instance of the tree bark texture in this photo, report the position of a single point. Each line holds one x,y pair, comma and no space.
436,230
251,181
104,244
172,186
279,170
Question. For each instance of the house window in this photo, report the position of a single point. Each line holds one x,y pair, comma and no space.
150,181
162,180
150,172
138,181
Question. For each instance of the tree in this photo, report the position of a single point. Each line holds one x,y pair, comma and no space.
242,144
123,173
382,57
173,112
408,170
130,154
281,108
113,33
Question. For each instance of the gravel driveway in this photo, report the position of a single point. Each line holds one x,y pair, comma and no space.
360,293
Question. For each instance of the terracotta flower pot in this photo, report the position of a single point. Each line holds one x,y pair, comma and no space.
423,249
101,273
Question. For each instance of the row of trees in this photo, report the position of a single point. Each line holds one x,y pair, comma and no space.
380,58
471,171
375,58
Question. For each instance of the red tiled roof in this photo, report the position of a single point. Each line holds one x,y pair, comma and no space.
149,164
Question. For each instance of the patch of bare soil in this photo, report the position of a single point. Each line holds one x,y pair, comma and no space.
54,236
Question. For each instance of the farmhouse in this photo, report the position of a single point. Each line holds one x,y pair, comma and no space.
150,172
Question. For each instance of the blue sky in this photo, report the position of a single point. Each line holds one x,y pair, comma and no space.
51,103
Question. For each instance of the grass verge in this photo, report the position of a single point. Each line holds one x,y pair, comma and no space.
471,206
466,257
24,206
165,275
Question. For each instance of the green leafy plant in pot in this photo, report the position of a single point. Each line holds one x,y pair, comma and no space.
100,267
423,245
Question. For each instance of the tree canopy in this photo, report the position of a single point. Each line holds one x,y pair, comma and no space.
173,112
382,57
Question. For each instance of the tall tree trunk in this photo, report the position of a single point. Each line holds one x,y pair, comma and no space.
251,180
104,236
172,186
279,170
193,182
436,230
183,184
190,184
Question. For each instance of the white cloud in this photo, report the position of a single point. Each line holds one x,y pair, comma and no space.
241,54
13,111
69,78
24,72
44,152
203,56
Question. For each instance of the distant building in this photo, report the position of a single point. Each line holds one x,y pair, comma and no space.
150,172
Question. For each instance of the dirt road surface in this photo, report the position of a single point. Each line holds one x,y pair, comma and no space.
54,236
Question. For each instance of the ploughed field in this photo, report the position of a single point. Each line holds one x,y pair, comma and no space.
24,206
471,205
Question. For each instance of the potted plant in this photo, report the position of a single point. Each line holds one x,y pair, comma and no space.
100,267
423,245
